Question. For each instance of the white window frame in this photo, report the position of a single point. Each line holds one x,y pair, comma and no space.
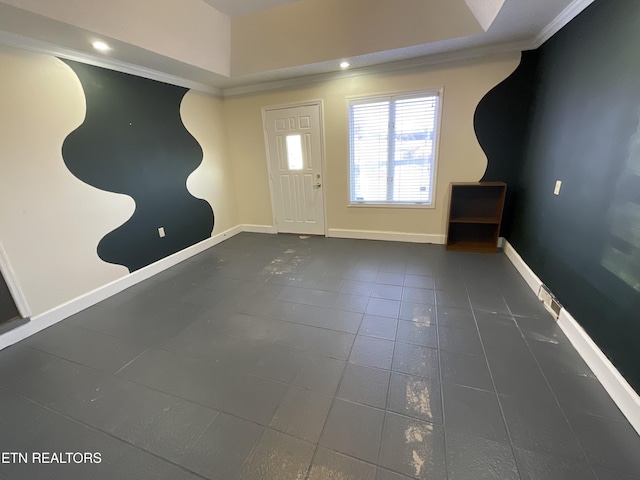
436,148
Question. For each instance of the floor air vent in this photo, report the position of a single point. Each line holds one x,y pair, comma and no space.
550,302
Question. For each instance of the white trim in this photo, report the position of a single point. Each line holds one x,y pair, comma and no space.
46,319
452,57
627,400
568,14
258,228
623,395
386,236
11,280
531,278
46,48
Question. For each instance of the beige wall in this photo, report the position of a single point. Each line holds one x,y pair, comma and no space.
310,31
50,221
203,117
460,158
190,31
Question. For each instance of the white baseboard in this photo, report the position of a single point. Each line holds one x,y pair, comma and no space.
386,236
624,396
258,228
523,269
50,317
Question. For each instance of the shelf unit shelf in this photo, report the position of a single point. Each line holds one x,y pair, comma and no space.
475,215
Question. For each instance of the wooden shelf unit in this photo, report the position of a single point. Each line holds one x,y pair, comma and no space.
475,215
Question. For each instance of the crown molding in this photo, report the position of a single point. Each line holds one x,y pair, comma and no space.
568,14
38,46
461,55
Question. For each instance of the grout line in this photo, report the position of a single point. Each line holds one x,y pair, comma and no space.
553,393
109,434
495,390
333,401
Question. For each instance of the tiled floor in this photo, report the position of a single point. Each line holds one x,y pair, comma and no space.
275,357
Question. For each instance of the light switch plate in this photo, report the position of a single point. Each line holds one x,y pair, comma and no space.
556,190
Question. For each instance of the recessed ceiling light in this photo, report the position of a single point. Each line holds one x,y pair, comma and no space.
101,46
344,65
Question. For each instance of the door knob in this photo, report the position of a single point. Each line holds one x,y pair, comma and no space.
317,185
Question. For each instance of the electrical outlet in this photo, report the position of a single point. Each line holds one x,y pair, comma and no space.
556,190
161,232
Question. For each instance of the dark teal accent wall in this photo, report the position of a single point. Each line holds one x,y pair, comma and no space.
133,142
582,127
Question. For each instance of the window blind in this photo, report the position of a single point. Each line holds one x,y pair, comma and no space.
392,149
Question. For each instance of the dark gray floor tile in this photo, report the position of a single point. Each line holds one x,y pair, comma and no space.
536,466
253,398
318,341
583,394
351,303
607,443
379,327
389,278
452,298
413,448
496,325
384,474
475,412
467,370
222,450
417,334
470,457
330,284
87,347
418,295
320,374
22,421
117,459
302,414
383,307
364,385
320,298
328,464
188,378
559,357
460,340
279,363
416,360
354,430
611,474
456,317
142,417
56,383
489,303
372,352
419,281
539,426
418,313
355,287
390,292
415,397
542,329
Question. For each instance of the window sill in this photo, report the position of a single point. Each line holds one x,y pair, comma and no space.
392,205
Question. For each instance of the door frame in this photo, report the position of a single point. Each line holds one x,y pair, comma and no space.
320,104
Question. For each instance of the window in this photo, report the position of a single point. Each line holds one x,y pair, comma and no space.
392,149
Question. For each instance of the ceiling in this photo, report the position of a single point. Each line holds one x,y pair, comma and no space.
228,47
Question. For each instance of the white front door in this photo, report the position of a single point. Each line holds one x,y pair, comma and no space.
294,149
